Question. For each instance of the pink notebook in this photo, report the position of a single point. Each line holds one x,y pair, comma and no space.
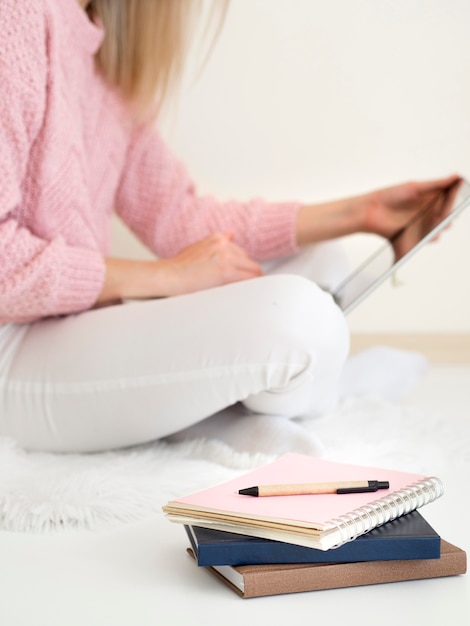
320,520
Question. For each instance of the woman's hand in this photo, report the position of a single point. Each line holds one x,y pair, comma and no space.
384,212
211,262
420,205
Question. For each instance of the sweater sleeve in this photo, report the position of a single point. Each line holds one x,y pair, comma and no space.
159,203
38,277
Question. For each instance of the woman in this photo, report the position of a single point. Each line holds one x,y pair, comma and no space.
80,370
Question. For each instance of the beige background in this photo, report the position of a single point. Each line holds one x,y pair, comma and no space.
311,100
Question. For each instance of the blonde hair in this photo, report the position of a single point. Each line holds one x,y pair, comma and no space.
146,43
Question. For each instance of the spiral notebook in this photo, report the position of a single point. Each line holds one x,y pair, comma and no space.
320,521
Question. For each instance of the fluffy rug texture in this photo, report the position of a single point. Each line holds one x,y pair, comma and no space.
42,492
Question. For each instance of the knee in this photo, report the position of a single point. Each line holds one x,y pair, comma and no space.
298,310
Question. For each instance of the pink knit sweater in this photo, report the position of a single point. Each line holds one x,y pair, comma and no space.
71,154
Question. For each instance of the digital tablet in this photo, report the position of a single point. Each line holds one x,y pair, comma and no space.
383,263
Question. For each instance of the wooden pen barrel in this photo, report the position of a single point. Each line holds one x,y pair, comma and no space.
308,488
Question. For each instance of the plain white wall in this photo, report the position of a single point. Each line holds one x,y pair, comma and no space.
314,100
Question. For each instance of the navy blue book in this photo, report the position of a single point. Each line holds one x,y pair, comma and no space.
405,538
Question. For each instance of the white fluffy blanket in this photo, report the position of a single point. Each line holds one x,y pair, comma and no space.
43,492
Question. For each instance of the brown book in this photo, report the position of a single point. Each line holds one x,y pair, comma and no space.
252,581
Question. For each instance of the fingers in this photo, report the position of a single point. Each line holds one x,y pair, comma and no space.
444,203
440,184
243,264
451,196
234,262
437,197
210,262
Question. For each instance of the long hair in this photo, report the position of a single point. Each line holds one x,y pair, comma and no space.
146,43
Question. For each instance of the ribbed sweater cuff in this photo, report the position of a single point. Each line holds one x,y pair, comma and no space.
81,280
275,231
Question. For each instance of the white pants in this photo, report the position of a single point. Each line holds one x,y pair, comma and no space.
132,373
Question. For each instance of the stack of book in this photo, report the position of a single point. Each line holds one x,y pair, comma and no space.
302,523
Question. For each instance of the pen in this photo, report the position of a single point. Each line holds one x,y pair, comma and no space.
352,486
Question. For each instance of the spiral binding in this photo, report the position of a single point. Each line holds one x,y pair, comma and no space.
390,507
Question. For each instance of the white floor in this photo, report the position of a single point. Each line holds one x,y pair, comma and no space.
140,575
